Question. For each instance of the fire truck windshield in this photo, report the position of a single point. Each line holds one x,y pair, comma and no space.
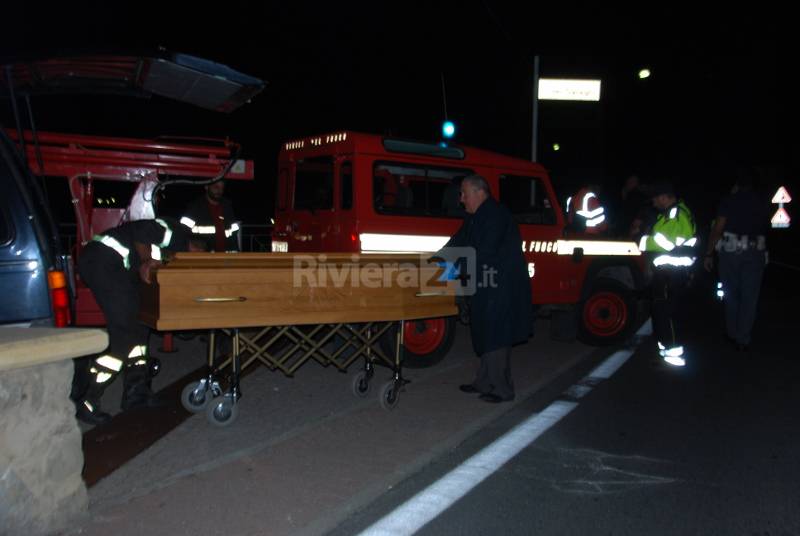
314,184
423,149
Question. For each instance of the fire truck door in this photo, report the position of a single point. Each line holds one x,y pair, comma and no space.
529,200
344,226
311,218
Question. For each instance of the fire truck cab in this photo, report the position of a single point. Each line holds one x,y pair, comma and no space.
363,193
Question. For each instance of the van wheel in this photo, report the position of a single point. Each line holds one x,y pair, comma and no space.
425,342
607,314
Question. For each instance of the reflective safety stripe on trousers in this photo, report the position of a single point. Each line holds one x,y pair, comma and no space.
140,352
109,365
673,355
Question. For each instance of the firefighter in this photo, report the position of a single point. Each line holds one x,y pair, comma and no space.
212,220
112,265
670,248
585,213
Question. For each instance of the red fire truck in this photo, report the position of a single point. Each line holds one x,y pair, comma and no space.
354,192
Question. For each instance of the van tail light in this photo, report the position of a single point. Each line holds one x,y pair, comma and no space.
59,296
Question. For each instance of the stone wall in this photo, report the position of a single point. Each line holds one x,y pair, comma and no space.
41,488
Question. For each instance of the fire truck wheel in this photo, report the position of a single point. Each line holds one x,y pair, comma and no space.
425,342
607,314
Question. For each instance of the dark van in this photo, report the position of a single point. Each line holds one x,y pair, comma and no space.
33,282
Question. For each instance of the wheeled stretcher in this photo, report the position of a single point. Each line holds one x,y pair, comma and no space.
282,310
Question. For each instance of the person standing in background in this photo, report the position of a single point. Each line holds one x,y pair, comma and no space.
585,212
211,218
670,248
739,237
631,216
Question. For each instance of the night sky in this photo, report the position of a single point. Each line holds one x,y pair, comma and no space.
717,97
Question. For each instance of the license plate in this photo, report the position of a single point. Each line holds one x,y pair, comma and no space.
280,246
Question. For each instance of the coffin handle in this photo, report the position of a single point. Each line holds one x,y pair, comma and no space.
217,300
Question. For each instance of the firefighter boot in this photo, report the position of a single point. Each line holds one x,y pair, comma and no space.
137,392
87,408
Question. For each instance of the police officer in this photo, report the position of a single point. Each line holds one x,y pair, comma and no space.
112,265
739,236
670,248
212,220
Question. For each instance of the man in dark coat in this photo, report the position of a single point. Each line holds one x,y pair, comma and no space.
500,308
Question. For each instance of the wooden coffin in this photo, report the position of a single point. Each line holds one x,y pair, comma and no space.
227,290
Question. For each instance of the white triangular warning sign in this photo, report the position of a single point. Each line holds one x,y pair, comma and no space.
781,196
781,219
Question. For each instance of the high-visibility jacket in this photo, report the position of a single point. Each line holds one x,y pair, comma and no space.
585,208
673,237
198,218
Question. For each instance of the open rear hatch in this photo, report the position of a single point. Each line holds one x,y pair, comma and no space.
181,77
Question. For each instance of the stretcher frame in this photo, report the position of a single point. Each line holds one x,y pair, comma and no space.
300,343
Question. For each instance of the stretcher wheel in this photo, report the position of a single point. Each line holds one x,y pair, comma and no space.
195,397
389,395
222,411
361,385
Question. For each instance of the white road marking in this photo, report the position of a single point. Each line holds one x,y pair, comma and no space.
412,515
432,501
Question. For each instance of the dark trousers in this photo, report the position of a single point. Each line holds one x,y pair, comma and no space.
669,289
741,274
494,373
116,290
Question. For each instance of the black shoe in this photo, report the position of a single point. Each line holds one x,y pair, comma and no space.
468,388
91,413
141,396
494,399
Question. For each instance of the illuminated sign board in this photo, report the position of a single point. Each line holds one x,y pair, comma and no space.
569,89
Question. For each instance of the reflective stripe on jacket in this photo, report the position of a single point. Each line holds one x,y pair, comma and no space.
674,236
586,207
